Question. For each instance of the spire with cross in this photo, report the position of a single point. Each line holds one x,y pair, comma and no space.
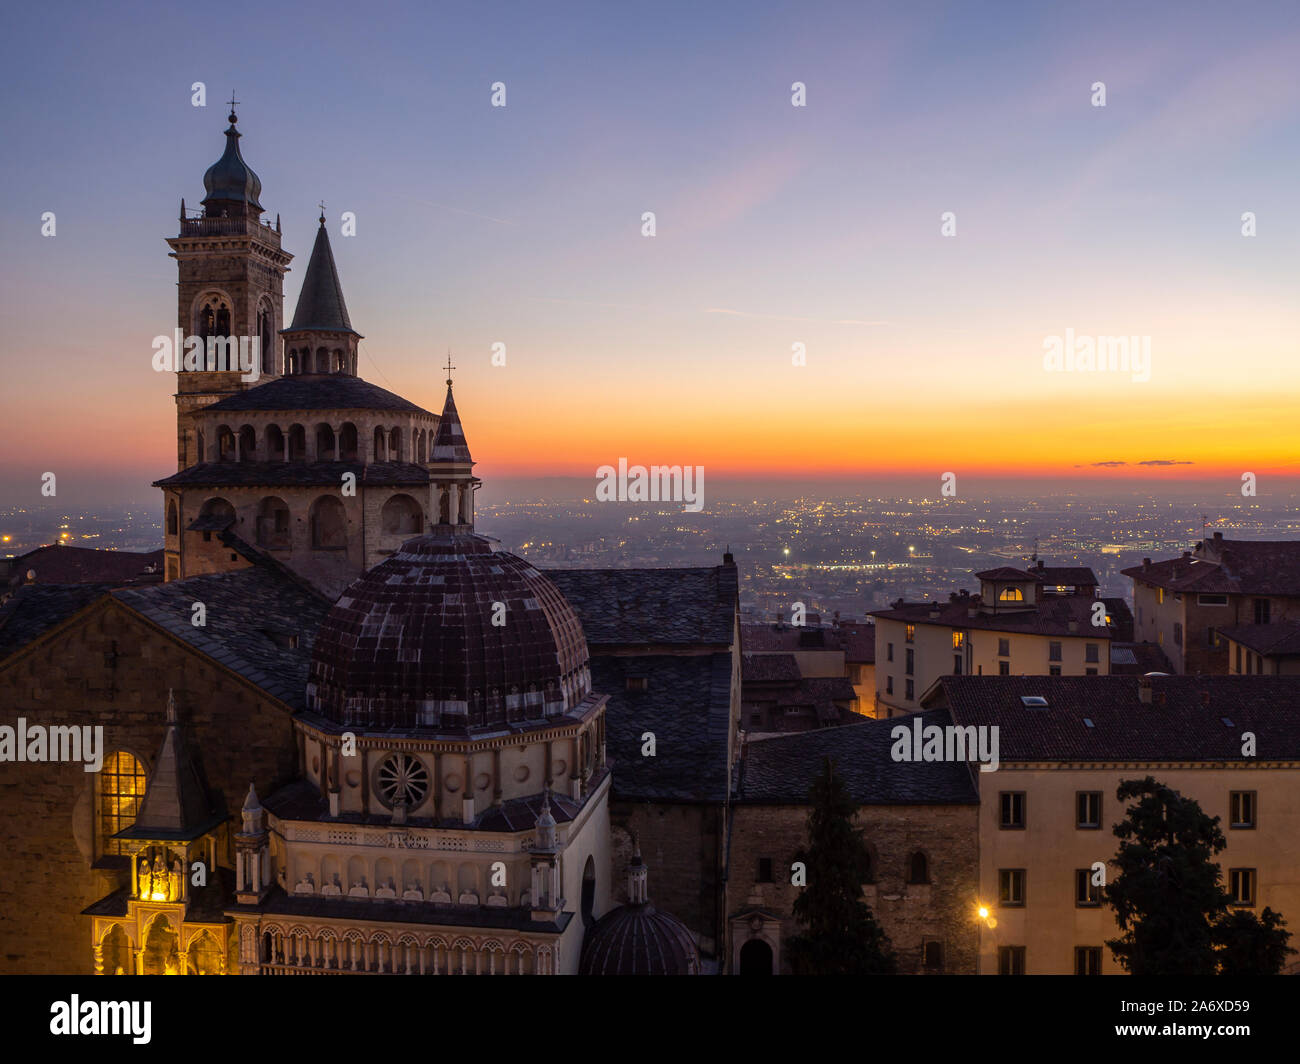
450,367
233,103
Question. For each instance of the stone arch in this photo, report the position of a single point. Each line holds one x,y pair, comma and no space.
210,313
326,442
402,515
381,444
322,360
218,508
756,958
329,524
173,518
225,444
395,444
205,955
275,443
348,446
467,880
247,444
589,891
161,948
266,334
293,361
918,868
297,443
358,874
339,364
115,951
201,447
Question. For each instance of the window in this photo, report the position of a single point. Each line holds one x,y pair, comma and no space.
910,691
889,685
1239,657
1178,634
889,651
910,633
1211,600
1011,807
638,683
1011,887
918,868
1011,960
1004,648
121,790
1054,651
1160,596
1054,670
1261,611
1087,960
755,719
1241,885
1090,672
956,664
1091,652
1242,804
1087,894
402,780
765,870
1004,668
1087,806
1011,594
910,666
932,955
958,640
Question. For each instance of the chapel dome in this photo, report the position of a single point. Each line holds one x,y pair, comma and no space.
448,634
637,938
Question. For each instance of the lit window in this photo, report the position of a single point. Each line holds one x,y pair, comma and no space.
958,640
910,633
1011,594
1087,894
121,790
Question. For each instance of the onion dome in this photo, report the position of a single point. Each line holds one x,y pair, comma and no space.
637,938
230,181
448,634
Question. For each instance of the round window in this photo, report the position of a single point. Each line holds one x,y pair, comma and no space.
402,778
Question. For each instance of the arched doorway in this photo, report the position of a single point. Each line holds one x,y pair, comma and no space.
589,892
161,949
755,958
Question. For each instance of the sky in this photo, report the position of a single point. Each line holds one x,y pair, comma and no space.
775,226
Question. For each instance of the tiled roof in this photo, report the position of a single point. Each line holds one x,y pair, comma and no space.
652,607
780,770
449,441
251,615
1006,572
331,391
857,640
320,302
687,705
1233,566
859,643
36,608
293,474
1281,639
770,668
57,564
1189,718
1065,575
1049,616
1137,659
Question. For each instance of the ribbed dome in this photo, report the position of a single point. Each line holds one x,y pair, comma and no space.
639,940
230,179
411,644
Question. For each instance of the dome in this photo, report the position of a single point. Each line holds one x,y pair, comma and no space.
639,940
230,179
448,635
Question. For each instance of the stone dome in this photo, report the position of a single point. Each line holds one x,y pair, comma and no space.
230,179
639,940
448,635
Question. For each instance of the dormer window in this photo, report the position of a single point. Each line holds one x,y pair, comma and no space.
1011,594
637,683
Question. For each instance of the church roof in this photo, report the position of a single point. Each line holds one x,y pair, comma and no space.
320,303
230,179
292,474
653,607
177,802
333,391
449,441
36,608
254,616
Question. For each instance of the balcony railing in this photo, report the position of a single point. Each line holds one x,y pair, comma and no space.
227,227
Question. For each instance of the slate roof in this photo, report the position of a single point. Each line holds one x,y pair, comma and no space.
780,770
250,615
1065,575
293,474
449,441
1231,566
1137,659
1006,572
652,607
1278,640
320,302
36,608
1190,718
1049,616
770,668
687,706
310,391
855,639
57,564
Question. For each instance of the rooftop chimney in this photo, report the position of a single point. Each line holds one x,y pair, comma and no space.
1073,626
1218,537
1144,691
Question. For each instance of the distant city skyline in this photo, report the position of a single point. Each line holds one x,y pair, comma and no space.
776,226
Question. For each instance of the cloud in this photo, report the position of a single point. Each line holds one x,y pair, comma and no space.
1109,465
1166,461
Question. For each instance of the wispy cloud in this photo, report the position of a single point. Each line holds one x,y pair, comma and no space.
460,210
1166,461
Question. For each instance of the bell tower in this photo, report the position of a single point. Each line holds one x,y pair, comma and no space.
231,287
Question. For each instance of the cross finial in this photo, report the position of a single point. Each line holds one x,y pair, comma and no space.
450,367
233,102
322,211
